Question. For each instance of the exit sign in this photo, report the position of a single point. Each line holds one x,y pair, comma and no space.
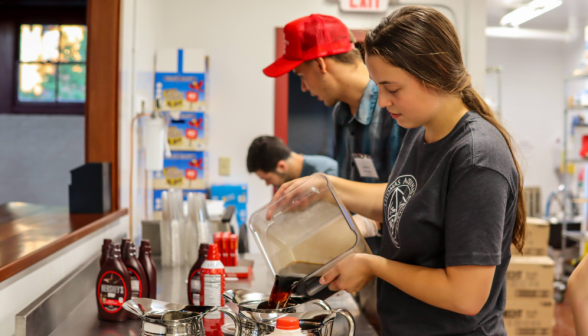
364,5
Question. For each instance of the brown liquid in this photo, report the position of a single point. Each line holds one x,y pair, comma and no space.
286,280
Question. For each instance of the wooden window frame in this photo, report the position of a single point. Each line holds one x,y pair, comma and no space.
12,19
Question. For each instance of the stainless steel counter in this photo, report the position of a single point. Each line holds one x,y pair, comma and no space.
171,287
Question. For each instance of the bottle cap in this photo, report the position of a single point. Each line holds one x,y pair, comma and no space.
288,323
107,241
115,250
130,250
213,253
145,246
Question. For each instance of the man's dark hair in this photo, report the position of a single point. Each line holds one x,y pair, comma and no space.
265,152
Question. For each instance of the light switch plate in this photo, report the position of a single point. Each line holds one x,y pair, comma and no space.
224,166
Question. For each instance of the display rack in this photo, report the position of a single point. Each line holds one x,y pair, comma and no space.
580,197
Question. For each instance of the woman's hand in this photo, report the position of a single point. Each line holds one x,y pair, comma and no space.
351,274
289,199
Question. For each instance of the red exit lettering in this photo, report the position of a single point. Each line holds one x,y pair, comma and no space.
364,4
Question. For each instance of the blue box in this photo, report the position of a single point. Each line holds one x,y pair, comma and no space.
183,170
179,90
157,203
189,132
235,195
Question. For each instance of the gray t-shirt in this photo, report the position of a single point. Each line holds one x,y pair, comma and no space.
449,203
318,164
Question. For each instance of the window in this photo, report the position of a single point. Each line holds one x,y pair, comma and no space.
52,64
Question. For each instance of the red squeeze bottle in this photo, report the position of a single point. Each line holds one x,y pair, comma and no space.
113,288
234,250
139,285
105,251
212,281
225,249
194,287
149,266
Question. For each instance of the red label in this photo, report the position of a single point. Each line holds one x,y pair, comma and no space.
192,96
191,174
364,4
112,292
191,133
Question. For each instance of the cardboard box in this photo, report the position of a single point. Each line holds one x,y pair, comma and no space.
529,317
235,195
182,170
536,238
181,80
188,131
530,278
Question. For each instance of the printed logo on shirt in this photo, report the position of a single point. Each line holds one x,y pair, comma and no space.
397,195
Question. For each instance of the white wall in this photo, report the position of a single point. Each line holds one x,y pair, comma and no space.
239,37
36,155
532,105
141,31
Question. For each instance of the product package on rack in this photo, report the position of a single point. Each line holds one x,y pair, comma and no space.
235,195
182,170
187,131
181,80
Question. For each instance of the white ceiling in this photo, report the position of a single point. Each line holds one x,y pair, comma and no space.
556,19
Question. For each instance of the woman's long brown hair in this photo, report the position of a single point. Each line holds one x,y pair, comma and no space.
423,42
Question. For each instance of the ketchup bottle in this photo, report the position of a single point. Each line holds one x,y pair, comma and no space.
105,251
149,266
194,287
113,288
212,281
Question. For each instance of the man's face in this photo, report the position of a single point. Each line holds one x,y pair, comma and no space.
316,80
274,178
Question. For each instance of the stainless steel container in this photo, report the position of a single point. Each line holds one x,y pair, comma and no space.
259,322
169,319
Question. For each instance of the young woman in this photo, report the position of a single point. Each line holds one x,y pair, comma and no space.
453,203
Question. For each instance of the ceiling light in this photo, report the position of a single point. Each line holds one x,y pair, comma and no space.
530,11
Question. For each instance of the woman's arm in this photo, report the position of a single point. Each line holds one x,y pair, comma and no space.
578,295
461,289
366,199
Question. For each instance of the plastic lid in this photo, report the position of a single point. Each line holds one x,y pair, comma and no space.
213,253
288,323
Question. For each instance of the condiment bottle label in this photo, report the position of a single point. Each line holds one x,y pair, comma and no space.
195,287
212,292
111,292
136,285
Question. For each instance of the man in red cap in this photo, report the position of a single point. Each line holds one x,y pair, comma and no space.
320,49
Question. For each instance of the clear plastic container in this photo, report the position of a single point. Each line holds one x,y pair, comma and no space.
305,233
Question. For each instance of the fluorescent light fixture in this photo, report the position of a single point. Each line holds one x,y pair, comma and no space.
529,11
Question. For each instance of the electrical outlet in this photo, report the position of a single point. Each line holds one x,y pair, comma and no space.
224,166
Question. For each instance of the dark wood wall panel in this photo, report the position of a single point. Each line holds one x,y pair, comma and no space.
102,99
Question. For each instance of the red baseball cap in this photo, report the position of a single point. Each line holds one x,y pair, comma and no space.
308,38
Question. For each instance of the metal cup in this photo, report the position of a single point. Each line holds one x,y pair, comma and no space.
169,319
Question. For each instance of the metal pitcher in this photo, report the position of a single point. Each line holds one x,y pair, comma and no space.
258,322
169,319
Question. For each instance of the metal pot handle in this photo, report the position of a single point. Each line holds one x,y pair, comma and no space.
320,303
349,318
235,318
